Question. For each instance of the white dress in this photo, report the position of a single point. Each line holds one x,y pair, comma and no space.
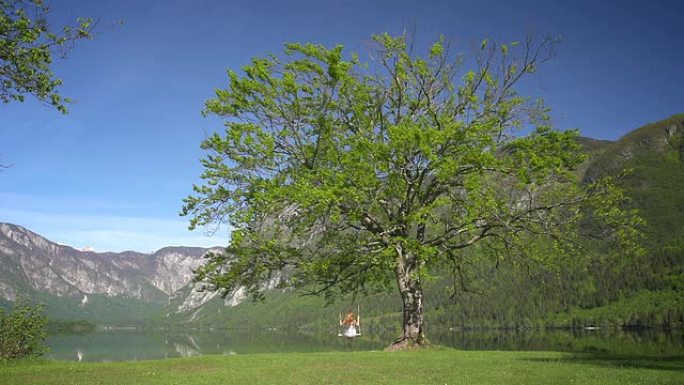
350,331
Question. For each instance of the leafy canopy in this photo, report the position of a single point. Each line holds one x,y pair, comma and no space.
340,173
27,49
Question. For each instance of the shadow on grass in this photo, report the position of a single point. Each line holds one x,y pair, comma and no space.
635,361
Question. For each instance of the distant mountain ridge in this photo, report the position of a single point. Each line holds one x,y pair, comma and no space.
654,156
31,265
654,139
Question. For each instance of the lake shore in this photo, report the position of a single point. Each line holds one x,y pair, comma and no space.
127,345
432,366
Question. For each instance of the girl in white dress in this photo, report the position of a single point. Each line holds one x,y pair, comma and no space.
350,323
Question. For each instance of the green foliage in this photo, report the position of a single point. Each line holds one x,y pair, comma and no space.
28,48
22,332
664,308
58,326
350,181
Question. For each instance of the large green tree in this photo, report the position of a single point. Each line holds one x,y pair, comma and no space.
27,49
346,177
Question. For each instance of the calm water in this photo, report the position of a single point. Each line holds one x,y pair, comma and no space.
121,345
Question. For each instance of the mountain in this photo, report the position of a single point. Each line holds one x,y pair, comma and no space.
654,154
106,286
662,138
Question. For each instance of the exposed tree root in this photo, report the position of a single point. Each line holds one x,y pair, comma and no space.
408,343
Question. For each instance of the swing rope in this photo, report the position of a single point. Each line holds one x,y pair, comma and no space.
358,319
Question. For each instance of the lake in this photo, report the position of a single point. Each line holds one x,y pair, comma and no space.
124,345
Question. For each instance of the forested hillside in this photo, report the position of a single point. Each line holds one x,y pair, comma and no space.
614,288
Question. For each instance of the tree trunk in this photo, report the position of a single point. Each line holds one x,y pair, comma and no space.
408,282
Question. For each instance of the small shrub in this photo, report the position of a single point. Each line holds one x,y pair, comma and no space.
22,332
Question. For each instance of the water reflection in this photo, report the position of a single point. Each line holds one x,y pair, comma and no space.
121,345
650,341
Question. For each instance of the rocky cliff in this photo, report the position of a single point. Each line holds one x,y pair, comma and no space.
31,266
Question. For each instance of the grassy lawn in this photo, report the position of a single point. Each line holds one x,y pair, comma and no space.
436,366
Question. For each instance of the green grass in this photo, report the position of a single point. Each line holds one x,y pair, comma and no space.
434,366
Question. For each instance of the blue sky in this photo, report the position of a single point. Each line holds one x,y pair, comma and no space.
112,174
